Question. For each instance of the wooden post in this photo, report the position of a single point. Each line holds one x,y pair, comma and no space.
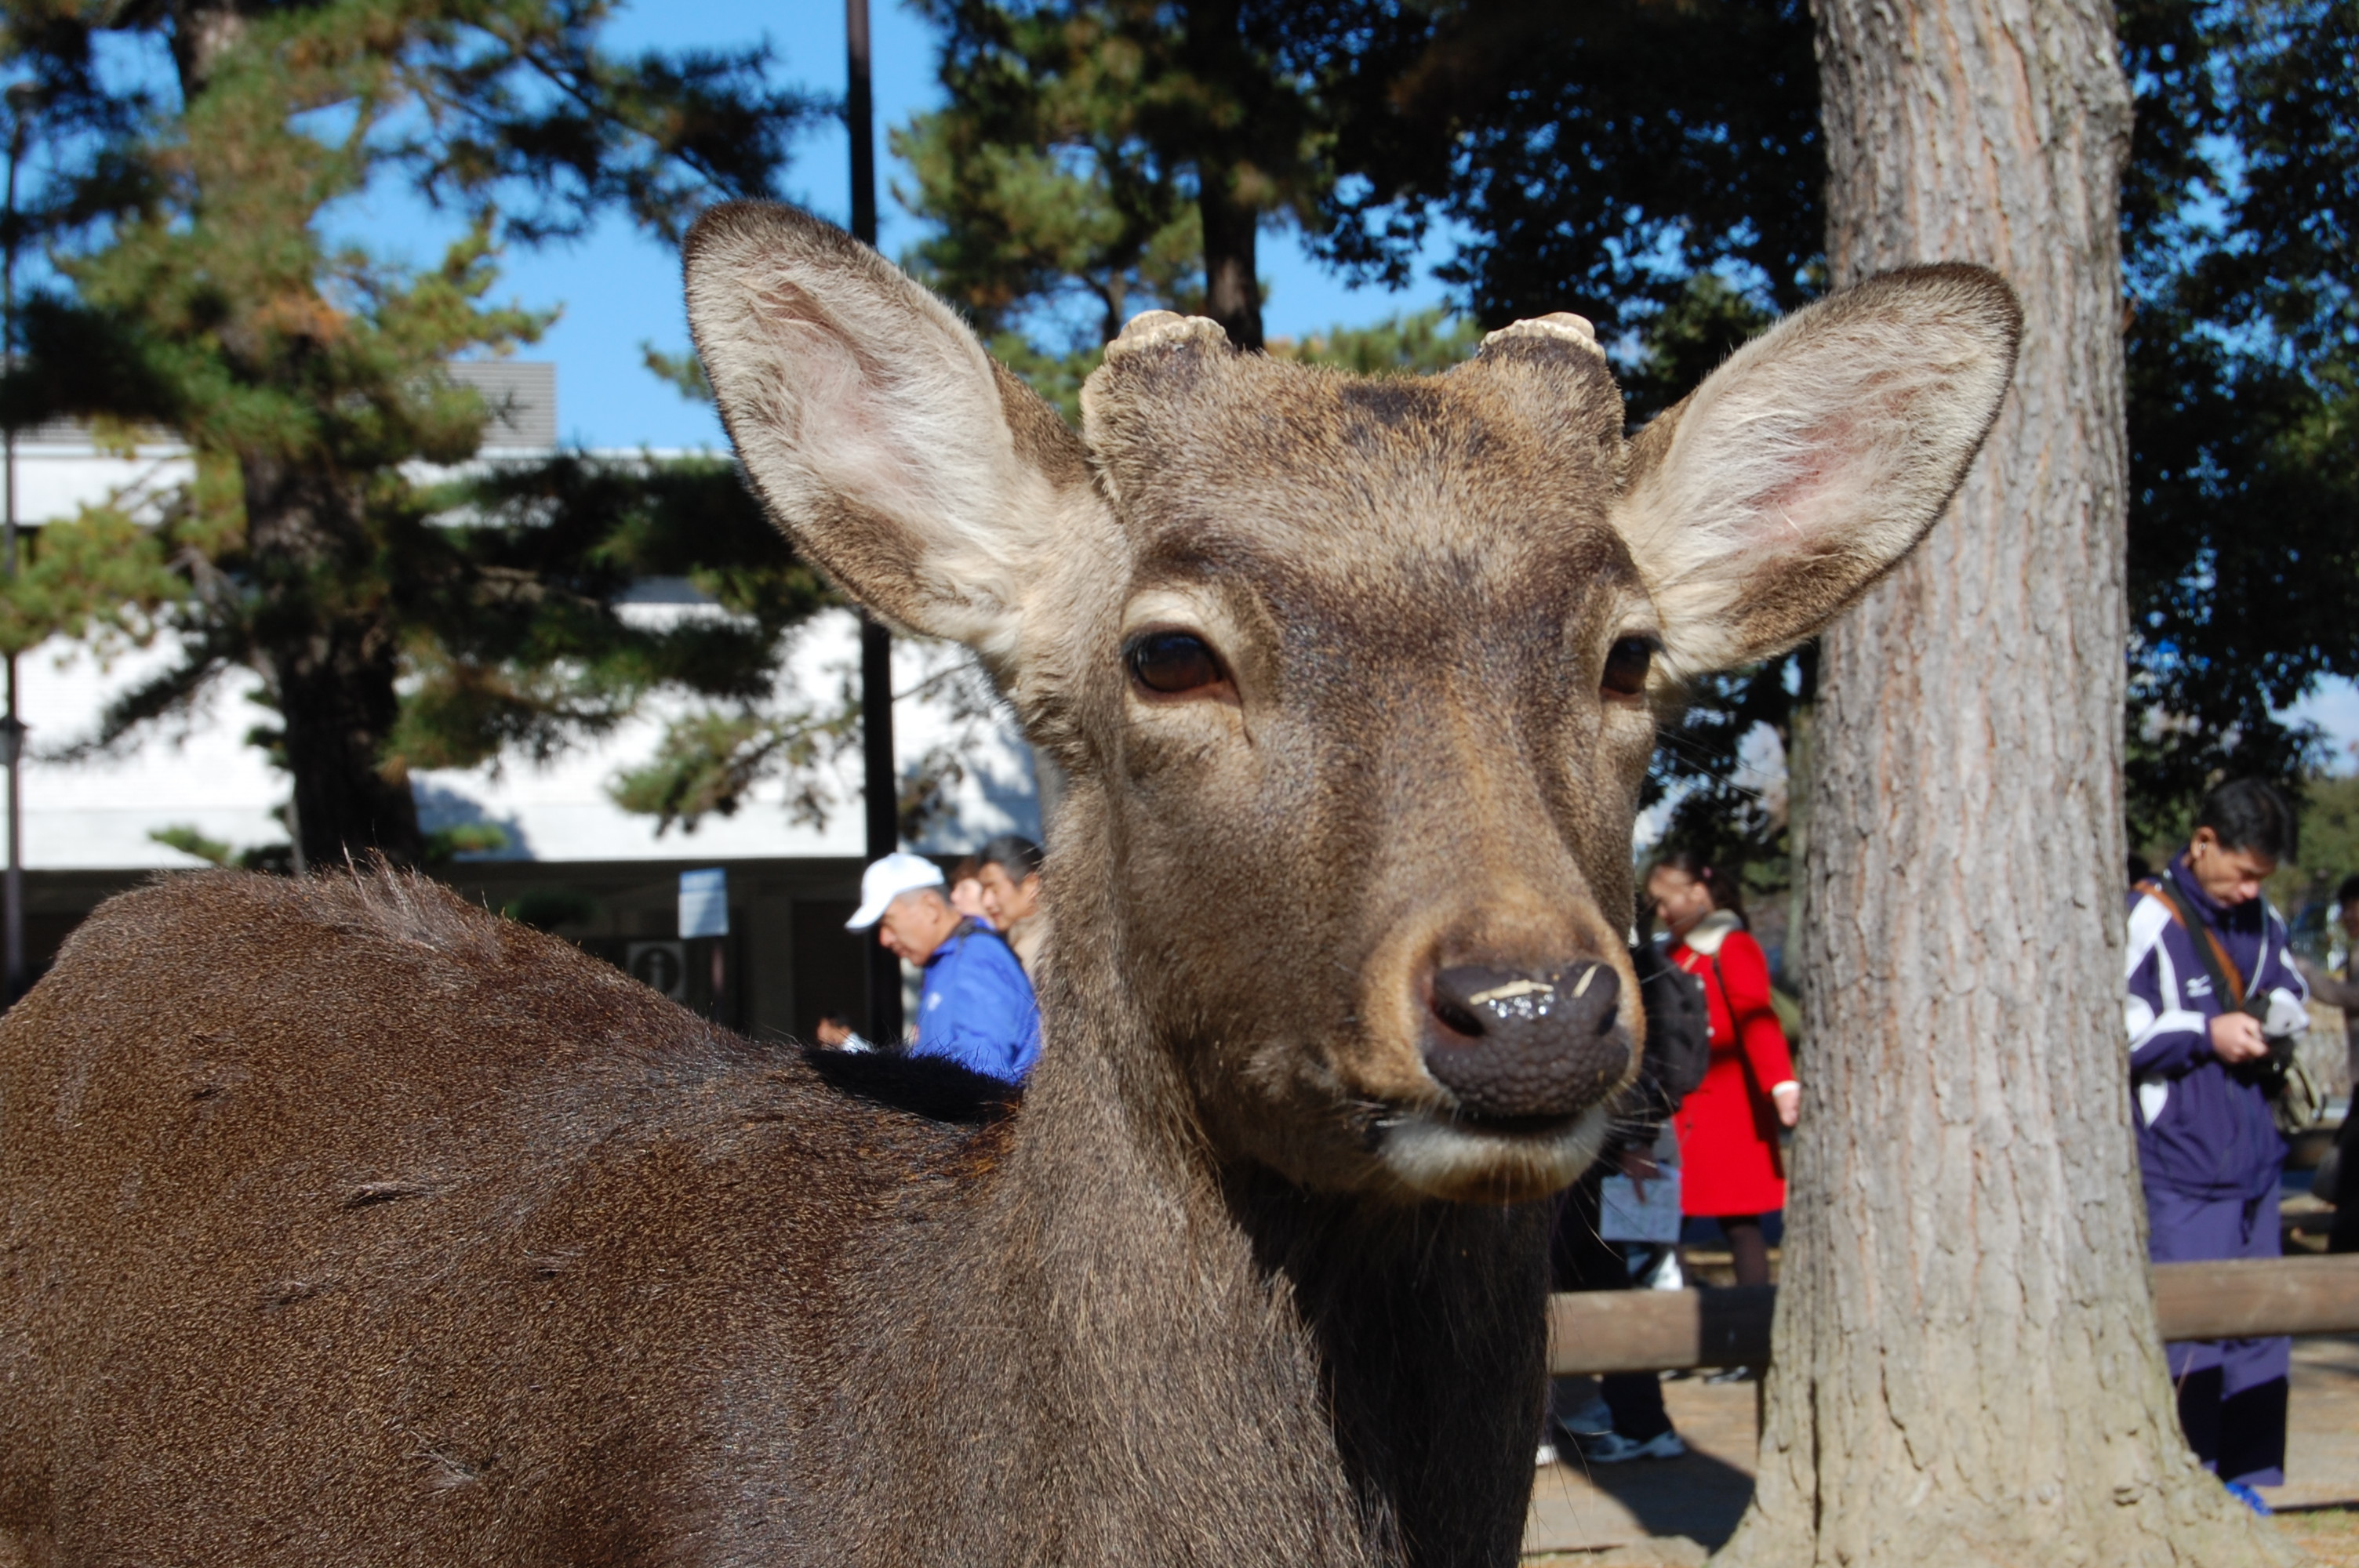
2256,1298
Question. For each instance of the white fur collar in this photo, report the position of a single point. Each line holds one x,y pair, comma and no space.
1711,931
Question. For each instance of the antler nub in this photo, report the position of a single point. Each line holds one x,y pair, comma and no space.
1562,326
1166,328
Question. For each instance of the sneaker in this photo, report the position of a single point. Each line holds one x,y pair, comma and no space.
1548,1456
1613,1448
1732,1375
1588,1420
2250,1499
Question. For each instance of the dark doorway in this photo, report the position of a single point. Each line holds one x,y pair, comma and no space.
829,978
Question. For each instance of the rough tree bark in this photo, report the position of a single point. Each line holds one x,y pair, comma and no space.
1966,1367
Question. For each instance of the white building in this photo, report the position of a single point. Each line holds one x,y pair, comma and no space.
89,825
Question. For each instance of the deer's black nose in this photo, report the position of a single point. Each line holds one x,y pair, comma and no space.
1514,1045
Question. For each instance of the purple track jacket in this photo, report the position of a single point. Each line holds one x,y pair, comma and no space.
2202,1130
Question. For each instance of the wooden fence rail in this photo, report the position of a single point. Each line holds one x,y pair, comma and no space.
1660,1331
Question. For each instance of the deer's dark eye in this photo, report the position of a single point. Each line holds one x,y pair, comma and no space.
1173,662
1626,664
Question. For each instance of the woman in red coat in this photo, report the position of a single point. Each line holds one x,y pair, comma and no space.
1730,1168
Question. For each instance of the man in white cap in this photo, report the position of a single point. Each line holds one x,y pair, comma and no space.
976,1009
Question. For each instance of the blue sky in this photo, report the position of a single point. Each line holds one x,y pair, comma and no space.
2334,708
619,289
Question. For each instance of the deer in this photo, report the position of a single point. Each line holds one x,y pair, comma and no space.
341,1223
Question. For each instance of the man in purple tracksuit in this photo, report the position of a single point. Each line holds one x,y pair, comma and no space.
2209,1150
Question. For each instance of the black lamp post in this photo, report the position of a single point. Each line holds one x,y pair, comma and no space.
12,728
882,786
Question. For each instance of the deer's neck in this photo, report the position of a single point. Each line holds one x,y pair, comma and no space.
1271,1372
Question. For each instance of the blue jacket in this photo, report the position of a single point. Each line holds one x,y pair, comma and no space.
2202,1130
977,1008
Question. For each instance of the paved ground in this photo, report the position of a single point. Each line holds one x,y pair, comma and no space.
1699,1496
1631,1513
2329,1535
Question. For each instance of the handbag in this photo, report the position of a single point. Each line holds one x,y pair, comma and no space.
2295,1101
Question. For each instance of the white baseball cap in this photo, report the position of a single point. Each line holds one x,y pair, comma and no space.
886,879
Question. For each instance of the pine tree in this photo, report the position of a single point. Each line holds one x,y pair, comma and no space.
195,291
1127,151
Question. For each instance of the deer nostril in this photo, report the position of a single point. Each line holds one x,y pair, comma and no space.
1476,999
1457,1017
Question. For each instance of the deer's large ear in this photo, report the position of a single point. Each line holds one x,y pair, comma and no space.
916,472
1814,460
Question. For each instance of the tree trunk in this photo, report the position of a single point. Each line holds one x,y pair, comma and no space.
324,640
1214,52
1966,1368
1232,285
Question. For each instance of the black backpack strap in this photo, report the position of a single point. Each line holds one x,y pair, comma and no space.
2227,983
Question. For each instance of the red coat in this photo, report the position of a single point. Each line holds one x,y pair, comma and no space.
1728,1128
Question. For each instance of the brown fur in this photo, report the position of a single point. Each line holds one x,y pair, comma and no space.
344,1225
511,1261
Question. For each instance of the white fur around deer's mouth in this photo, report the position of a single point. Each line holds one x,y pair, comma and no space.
1437,1154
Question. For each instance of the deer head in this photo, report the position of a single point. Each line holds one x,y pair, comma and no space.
1353,677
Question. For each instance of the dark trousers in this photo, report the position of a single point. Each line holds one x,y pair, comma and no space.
1582,1260
2343,1237
2231,1392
